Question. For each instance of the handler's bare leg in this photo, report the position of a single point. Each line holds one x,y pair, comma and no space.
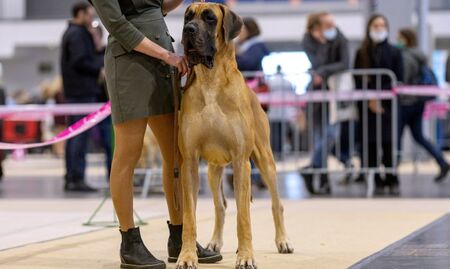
129,138
163,129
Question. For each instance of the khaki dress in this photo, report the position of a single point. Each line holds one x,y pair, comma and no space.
139,86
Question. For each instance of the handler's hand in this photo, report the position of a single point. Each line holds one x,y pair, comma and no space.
180,62
375,107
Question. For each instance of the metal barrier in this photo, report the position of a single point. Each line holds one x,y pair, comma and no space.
307,139
336,118
325,122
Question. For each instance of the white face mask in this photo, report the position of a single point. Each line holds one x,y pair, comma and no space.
330,34
379,36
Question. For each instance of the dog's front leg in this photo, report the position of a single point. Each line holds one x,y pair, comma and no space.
215,182
188,258
245,256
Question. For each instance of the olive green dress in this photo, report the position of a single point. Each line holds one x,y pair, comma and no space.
139,86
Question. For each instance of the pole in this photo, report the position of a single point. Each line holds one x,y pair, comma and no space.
422,27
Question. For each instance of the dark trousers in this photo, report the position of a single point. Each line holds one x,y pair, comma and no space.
411,116
105,129
386,159
276,134
76,148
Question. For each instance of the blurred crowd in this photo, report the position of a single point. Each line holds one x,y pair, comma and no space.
328,51
82,80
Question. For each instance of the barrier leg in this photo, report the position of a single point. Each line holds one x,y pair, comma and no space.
147,183
114,222
370,184
316,181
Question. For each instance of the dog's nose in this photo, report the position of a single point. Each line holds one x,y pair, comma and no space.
190,28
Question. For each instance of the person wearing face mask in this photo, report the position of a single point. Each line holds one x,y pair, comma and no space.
411,107
328,51
377,52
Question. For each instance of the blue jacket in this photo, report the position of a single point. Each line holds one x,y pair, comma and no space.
251,59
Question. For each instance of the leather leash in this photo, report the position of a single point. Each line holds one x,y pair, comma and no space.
176,85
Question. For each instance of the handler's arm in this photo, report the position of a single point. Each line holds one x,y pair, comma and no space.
169,5
130,37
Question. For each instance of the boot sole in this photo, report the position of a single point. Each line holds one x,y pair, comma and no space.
153,266
210,259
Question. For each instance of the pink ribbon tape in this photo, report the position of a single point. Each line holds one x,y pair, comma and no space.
36,112
75,129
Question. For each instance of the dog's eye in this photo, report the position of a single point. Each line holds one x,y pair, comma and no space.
189,16
209,17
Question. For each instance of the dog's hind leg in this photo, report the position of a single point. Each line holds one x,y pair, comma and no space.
263,158
242,188
266,165
215,182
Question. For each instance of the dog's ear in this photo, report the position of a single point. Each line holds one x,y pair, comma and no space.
231,24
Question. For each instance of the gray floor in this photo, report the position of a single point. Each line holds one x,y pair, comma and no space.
290,184
427,248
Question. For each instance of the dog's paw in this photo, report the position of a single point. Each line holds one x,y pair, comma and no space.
215,245
245,261
187,260
284,246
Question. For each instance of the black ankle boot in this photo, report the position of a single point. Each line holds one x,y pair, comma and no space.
134,254
175,242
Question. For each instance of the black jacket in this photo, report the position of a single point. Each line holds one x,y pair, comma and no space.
80,64
329,58
326,60
413,60
447,70
386,56
383,55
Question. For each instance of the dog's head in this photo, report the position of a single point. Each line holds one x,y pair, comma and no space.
208,27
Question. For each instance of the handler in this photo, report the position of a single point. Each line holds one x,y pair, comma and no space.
138,62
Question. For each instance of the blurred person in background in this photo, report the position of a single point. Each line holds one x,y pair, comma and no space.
376,52
411,109
20,97
52,92
81,70
250,51
105,126
447,69
281,118
328,51
2,152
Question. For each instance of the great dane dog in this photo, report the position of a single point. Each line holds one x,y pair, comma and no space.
222,121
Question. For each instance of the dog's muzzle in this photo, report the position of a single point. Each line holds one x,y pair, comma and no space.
198,46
